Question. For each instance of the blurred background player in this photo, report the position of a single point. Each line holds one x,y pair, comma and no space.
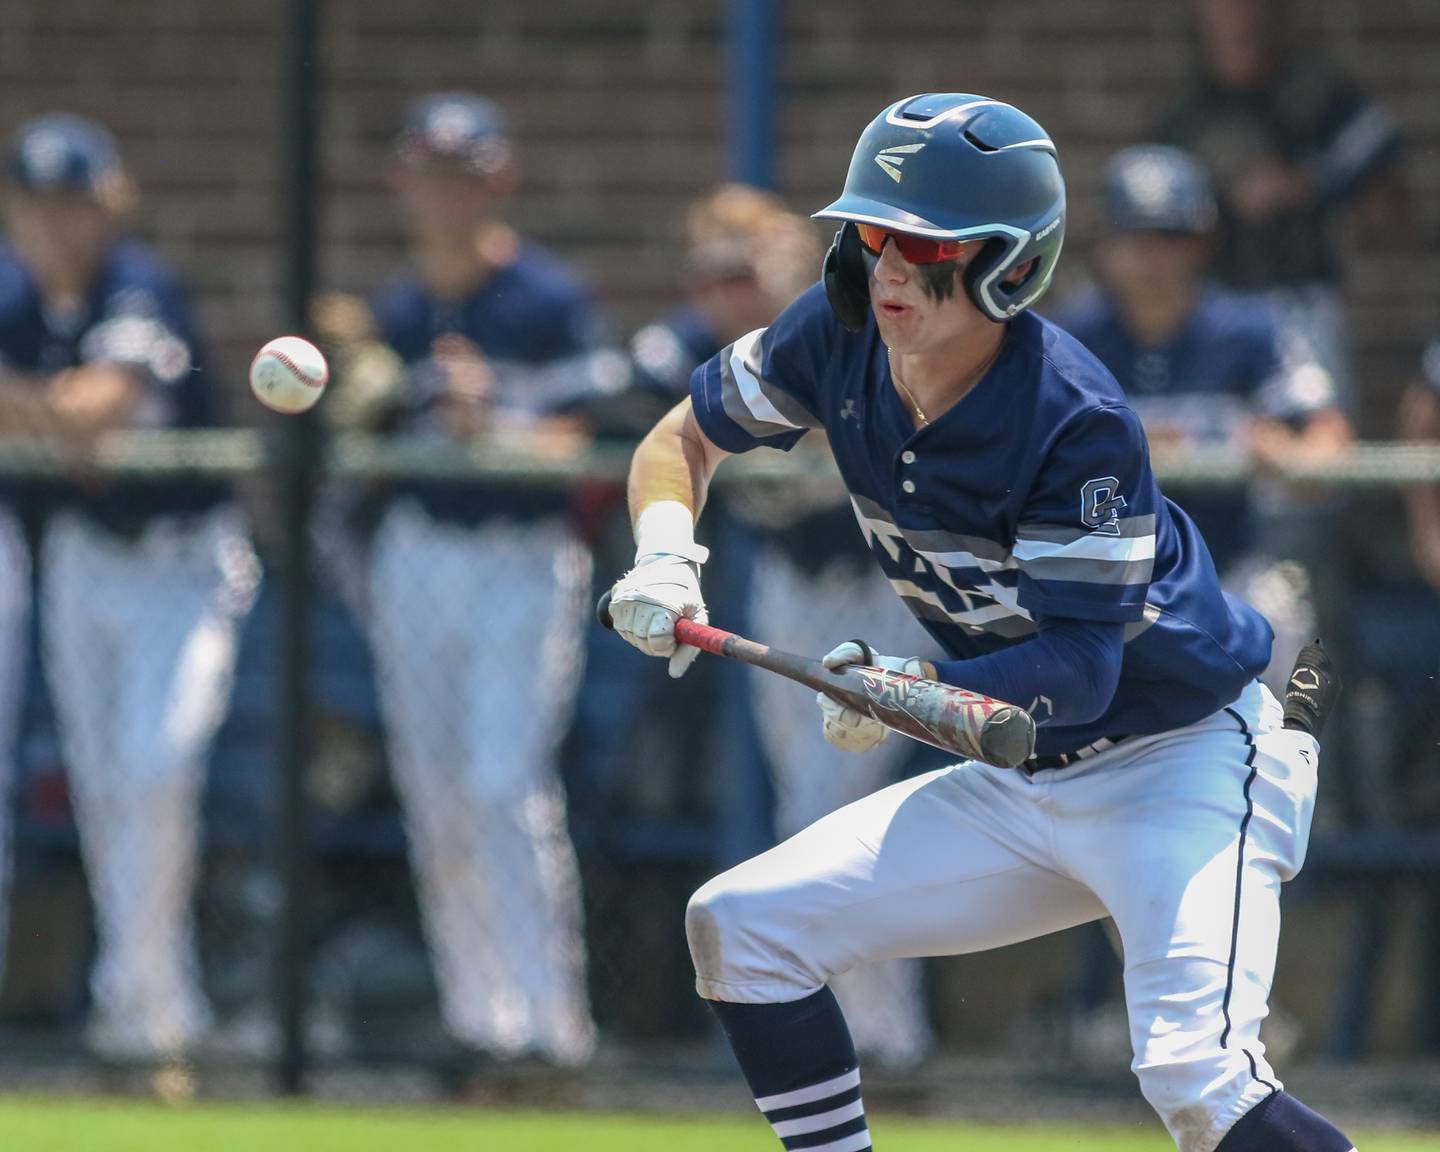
1204,365
1295,148
477,593
747,257
141,586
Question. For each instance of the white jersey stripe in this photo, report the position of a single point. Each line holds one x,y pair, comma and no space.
1092,547
832,1119
809,1094
751,391
911,591
966,560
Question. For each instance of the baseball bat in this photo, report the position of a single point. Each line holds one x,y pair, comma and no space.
971,725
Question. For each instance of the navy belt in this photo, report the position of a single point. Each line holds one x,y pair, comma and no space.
1065,759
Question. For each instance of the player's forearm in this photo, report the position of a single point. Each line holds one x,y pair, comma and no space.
672,465
1073,664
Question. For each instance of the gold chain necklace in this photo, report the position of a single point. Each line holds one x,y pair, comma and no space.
895,376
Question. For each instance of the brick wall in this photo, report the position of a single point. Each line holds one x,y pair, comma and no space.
620,110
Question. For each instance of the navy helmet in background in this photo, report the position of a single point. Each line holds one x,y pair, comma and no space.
1158,188
456,130
60,152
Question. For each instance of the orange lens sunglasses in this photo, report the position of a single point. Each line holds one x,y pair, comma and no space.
915,249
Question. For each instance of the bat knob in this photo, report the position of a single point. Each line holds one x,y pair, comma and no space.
602,610
1007,737
1313,688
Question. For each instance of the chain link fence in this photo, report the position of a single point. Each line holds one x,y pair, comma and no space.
507,808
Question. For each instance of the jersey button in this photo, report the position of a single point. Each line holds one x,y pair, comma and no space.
908,485
907,457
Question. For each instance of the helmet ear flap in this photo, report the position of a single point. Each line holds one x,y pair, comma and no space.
846,279
979,267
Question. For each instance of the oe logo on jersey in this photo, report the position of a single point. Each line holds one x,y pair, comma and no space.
890,159
1100,505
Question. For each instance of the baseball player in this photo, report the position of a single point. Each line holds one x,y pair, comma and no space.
1201,364
1004,486
495,334
142,586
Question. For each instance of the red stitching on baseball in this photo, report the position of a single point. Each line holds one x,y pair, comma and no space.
299,372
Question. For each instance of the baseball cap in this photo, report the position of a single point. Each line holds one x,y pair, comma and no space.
1157,188
61,152
455,129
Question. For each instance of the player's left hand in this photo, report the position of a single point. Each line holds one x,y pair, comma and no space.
846,728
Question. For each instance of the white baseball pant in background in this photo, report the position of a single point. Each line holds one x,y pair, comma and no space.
14,650
139,644
477,636
1183,838
810,614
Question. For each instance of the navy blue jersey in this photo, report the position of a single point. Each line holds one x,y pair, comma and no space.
540,334
1229,362
136,315
1031,499
811,529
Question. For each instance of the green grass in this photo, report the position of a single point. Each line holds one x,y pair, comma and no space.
76,1125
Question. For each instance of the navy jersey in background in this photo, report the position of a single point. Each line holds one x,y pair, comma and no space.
538,330
1230,361
136,315
1031,498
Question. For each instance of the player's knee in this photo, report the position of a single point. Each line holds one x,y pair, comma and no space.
712,922
735,944
1199,1100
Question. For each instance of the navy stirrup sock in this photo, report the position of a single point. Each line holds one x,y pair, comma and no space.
1280,1123
800,1063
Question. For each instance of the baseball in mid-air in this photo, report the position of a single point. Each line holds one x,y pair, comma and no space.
289,374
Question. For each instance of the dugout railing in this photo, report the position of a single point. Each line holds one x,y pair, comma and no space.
1381,859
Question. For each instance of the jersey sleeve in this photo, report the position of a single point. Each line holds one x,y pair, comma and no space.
146,329
1085,543
582,363
764,389
1362,141
1290,383
144,324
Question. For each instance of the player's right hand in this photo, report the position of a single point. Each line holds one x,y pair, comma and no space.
646,602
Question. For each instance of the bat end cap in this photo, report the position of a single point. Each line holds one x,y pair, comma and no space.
1008,737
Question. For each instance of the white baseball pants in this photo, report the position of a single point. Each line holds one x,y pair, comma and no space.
14,648
477,636
796,610
1183,838
139,641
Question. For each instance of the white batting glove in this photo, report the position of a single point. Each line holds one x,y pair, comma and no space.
663,586
845,728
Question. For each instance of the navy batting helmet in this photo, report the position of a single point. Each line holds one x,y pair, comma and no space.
953,166
1157,188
